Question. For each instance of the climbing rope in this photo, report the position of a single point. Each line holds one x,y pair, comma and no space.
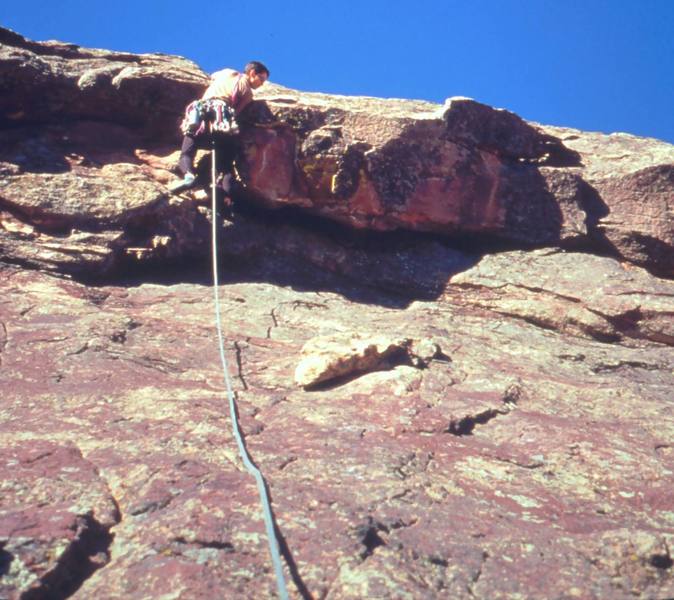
252,469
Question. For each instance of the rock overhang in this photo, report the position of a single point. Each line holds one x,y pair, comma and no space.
460,169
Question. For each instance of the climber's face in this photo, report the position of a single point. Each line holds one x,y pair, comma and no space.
256,79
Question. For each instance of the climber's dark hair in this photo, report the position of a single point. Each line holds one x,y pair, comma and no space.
256,66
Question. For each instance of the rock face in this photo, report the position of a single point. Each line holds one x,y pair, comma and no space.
464,168
481,420
100,129
326,358
54,82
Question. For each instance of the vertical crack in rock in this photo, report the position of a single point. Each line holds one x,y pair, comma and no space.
301,587
349,167
3,339
6,559
272,314
88,552
476,578
239,364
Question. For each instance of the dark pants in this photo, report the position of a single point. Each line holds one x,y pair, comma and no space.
226,151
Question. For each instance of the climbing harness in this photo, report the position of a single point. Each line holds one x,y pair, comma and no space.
252,469
212,115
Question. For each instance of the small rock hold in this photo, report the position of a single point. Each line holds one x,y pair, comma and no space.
328,357
422,352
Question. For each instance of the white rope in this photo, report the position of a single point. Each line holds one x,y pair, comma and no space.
252,469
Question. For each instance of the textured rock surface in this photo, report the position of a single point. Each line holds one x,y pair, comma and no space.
523,460
484,423
99,129
573,294
57,82
465,168
55,514
326,358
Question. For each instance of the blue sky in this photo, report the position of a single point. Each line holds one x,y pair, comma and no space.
597,65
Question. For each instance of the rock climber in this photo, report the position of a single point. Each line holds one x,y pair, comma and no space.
214,118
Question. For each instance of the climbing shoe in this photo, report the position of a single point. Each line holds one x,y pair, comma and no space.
183,184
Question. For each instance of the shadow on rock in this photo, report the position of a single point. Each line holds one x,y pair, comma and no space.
288,248
88,552
33,151
5,562
595,208
654,254
80,144
533,212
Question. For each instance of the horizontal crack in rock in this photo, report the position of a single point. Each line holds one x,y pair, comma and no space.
226,546
540,290
148,362
466,425
150,506
511,461
510,397
634,364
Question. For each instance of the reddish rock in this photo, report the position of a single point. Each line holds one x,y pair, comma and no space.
56,82
603,299
524,447
55,517
630,194
528,454
462,169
